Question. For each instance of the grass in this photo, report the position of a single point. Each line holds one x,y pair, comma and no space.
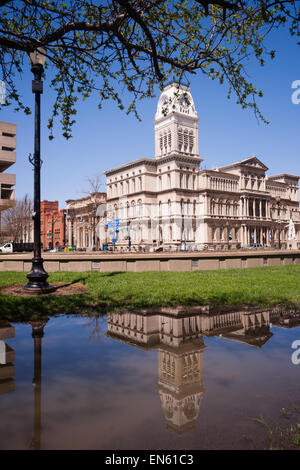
280,435
265,286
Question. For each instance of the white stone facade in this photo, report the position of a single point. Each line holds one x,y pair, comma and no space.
170,203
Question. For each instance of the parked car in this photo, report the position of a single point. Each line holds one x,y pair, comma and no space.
255,245
13,247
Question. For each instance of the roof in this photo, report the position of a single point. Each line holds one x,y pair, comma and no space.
247,161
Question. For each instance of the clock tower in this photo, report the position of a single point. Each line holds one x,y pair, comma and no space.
176,122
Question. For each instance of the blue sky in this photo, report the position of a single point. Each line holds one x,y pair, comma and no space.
108,138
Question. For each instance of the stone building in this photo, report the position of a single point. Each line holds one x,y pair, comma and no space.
170,203
8,133
52,225
82,220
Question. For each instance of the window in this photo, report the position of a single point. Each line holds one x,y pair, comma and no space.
220,208
191,142
161,143
227,208
133,209
169,140
165,142
180,139
139,207
185,140
159,183
188,207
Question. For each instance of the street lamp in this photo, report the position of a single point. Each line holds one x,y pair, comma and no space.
278,205
37,277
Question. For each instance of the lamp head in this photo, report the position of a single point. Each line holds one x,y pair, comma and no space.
38,56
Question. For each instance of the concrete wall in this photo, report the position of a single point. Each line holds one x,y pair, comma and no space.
151,262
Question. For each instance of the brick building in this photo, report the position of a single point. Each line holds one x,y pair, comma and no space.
52,225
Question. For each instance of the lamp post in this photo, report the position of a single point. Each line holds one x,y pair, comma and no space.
37,277
278,205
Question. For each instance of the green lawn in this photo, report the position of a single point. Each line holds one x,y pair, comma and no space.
257,286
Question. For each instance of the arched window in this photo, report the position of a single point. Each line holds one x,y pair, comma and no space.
161,143
133,209
169,207
227,208
220,207
116,211
180,139
185,140
169,140
181,207
139,208
159,209
188,207
191,141
187,181
165,142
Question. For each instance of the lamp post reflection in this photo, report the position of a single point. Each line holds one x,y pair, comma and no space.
37,335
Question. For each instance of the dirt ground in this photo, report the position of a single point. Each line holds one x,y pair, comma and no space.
60,288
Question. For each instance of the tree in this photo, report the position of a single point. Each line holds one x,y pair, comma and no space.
17,220
95,199
94,46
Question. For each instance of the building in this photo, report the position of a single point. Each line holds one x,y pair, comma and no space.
82,220
52,225
171,203
8,133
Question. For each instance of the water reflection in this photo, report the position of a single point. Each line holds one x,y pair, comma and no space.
7,357
178,335
37,335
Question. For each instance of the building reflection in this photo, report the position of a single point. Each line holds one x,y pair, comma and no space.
178,335
7,357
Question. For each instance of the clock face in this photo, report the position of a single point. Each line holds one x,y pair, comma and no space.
165,105
184,101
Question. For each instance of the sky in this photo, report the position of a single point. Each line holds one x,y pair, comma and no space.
106,138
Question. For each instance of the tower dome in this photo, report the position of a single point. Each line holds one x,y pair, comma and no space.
176,122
